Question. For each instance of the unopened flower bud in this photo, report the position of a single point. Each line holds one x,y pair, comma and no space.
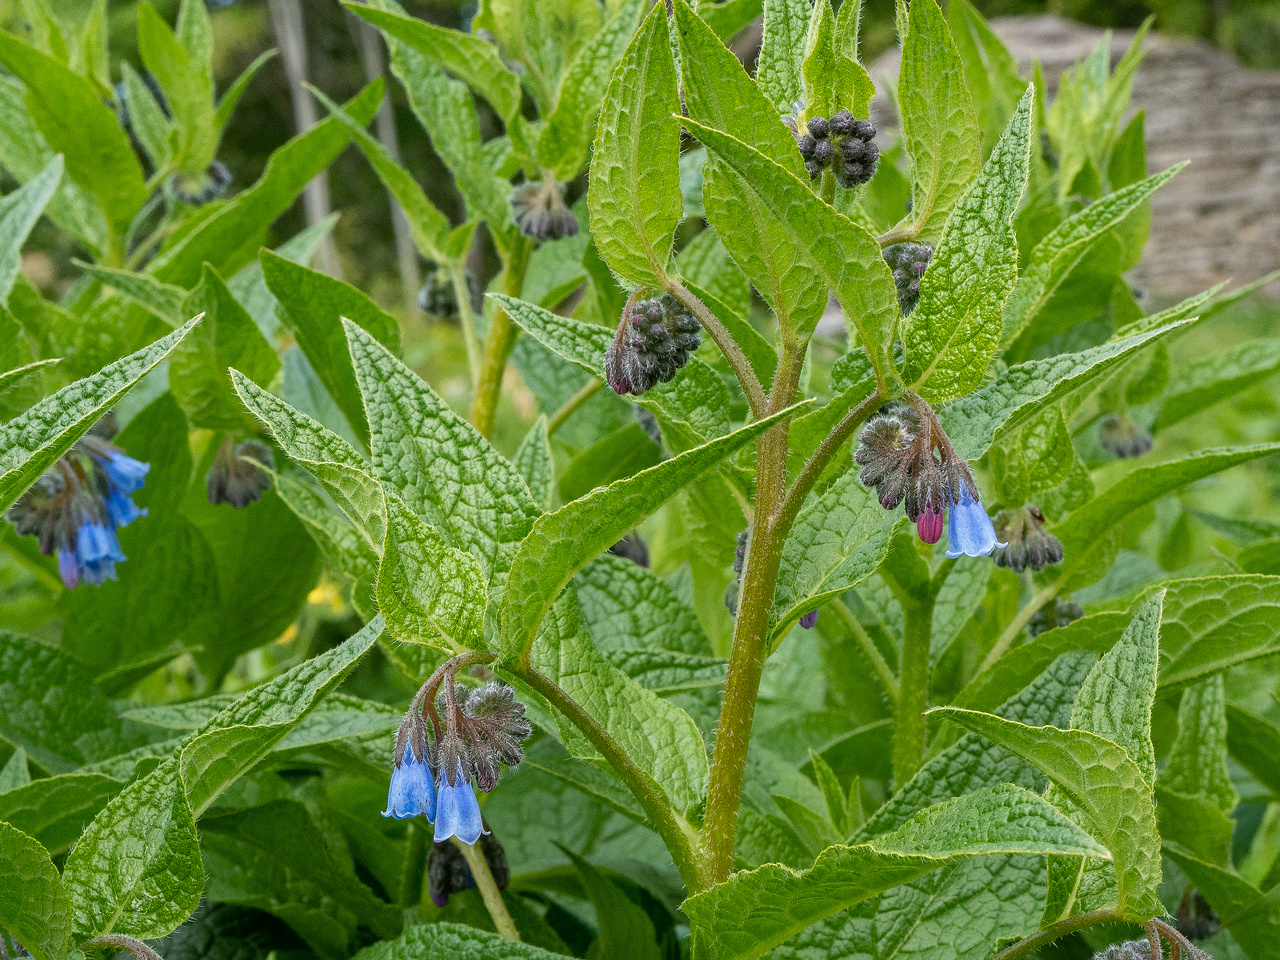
236,476
1030,546
929,525
197,189
540,211
632,547
1196,919
1120,436
809,620
1059,613
652,344
908,262
438,298
819,129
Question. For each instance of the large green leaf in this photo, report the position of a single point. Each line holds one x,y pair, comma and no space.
19,212
955,328
1100,779
1254,741
564,140
628,606
837,541
560,544
818,241
187,83
660,737
1022,392
451,941
55,809
345,474
1058,253
463,54
76,122
634,196
440,465
137,870
312,306
428,591
31,443
756,910
939,125
1199,382
1252,916
1214,623
778,70
34,906
226,337
1087,545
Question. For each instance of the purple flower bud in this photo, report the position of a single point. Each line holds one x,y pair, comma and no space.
929,526
809,620
819,129
1120,436
540,212
842,124
908,262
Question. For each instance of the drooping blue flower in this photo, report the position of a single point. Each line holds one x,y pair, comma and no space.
121,508
458,812
97,551
969,529
67,568
125,473
412,792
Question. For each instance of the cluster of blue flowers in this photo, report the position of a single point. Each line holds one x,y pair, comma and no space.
436,778
75,509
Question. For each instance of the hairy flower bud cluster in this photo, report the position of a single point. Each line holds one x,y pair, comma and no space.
436,764
1120,436
237,476
1030,545
448,873
654,340
908,262
540,212
843,144
199,188
75,509
1053,615
437,296
907,458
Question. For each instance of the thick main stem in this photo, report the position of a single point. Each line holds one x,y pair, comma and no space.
488,888
750,629
909,728
502,337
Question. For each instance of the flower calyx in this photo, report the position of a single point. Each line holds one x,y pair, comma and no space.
1059,613
908,263
238,476
1030,546
539,210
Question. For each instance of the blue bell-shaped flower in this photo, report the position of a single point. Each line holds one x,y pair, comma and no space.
458,813
412,792
969,529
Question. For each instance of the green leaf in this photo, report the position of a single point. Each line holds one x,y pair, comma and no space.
660,737
428,226
451,941
231,236
250,287
15,773
533,460
564,140
76,122
634,195
231,98
939,125
626,932
955,328
1214,623
161,300
1054,257
1198,383
628,607
312,307
837,541
158,884
1197,763
756,910
1100,779
990,71
345,474
19,212
621,454
55,809
833,77
560,544
1252,917
440,465
778,71
34,907
465,55
959,597
152,127
226,337
428,591
24,152
31,443
187,82
1254,741
1021,393
819,242
1087,547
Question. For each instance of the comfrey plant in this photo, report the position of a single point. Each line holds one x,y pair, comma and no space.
688,684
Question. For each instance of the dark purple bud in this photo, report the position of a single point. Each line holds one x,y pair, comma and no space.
809,620
819,129
864,130
236,476
1030,546
842,124
929,525
633,548
824,153
1120,436
806,145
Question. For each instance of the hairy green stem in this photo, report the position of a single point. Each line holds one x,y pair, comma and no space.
1042,937
869,648
909,728
572,405
502,337
676,832
119,941
728,346
488,888
1016,625
466,317
751,626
